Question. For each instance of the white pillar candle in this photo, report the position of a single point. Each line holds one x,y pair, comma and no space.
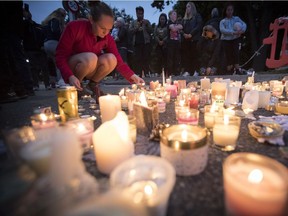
205,83
109,106
264,99
232,95
250,100
112,143
255,185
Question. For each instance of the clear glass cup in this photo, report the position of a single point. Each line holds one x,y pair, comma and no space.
226,131
190,116
210,112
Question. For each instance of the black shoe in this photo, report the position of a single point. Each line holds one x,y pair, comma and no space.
8,97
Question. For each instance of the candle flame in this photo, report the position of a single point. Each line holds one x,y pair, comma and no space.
213,107
255,176
43,117
148,190
122,92
184,136
81,127
226,119
142,99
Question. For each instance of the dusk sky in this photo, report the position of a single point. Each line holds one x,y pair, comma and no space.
41,9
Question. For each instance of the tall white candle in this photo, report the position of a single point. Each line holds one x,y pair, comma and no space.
255,185
112,143
205,83
109,106
232,95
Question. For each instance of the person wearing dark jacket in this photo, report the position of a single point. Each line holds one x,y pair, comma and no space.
192,28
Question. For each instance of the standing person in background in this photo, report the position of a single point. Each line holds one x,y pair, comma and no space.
231,28
173,44
33,42
121,39
86,50
141,31
192,29
161,34
54,25
15,75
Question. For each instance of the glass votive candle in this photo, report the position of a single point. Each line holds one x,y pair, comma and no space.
226,131
218,92
210,112
194,100
161,105
124,102
166,97
255,185
277,89
190,116
132,128
181,105
265,99
146,181
204,97
83,128
186,148
41,121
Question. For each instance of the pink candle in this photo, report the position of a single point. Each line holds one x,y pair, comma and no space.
172,89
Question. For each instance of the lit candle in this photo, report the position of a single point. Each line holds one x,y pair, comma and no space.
250,100
185,147
112,143
41,121
205,83
264,99
210,112
226,131
218,92
255,185
109,106
172,89
190,116
232,95
145,181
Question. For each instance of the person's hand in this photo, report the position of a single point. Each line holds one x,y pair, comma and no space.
74,81
137,80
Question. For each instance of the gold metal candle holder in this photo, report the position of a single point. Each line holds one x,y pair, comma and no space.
146,118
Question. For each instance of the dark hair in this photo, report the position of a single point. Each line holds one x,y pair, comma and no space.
98,8
139,8
162,15
226,5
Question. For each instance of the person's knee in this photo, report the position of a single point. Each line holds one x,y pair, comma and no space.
110,61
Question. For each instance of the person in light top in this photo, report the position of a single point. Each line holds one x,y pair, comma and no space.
231,28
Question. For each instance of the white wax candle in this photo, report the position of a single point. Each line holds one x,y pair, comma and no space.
109,106
264,99
225,135
232,95
205,83
252,188
112,143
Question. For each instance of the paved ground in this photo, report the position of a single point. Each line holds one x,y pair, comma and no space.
18,113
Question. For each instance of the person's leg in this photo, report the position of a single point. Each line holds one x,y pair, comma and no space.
227,46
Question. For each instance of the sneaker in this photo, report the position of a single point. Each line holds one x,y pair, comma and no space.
196,73
186,74
8,97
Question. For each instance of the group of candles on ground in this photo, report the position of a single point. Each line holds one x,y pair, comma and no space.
251,180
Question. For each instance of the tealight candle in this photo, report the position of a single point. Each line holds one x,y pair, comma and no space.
255,185
210,112
185,147
190,116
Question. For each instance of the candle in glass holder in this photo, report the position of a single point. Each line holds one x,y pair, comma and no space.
172,89
218,93
41,121
226,131
190,116
210,112
124,102
255,185
83,128
180,105
185,147
205,83
194,100
204,97
232,95
264,99
146,181
110,105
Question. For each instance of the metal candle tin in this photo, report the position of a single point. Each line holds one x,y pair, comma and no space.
186,148
67,102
